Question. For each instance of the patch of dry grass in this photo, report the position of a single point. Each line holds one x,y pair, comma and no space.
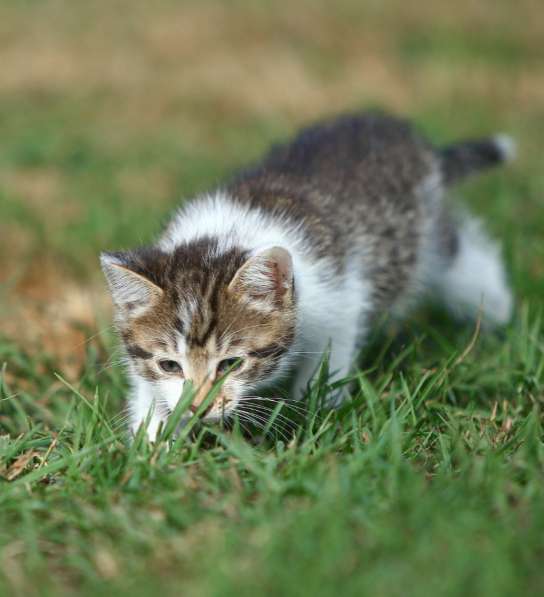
260,59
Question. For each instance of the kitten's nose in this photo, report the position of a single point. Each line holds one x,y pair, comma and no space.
194,407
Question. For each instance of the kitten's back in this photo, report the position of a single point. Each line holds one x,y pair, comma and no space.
354,158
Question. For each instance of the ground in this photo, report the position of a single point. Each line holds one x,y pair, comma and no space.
431,481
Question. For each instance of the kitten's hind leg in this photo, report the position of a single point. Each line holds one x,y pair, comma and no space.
474,282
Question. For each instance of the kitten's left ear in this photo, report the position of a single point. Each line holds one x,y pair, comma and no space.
130,291
266,277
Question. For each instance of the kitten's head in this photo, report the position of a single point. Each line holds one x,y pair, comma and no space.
199,314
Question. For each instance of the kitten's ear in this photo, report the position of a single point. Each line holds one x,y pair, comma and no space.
266,277
130,291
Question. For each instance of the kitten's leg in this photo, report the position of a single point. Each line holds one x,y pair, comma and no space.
307,368
475,280
341,363
143,410
338,326
341,356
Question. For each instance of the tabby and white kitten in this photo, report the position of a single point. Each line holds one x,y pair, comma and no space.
300,254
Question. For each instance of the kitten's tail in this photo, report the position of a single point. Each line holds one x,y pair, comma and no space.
468,157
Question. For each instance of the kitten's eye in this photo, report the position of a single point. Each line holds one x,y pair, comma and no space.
170,366
229,365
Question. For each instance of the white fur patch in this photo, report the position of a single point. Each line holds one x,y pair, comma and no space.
476,281
506,145
234,225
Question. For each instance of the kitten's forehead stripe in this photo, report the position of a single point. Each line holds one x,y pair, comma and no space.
178,325
138,352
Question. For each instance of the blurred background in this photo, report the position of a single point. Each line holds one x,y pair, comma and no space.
113,111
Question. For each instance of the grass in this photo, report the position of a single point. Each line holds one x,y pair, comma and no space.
430,482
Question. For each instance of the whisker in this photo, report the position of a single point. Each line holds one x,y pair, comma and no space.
255,401
277,416
125,412
240,417
254,417
289,404
98,333
122,423
122,360
273,431
299,352
120,420
263,422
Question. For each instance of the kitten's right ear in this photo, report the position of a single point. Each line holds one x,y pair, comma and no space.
266,278
130,291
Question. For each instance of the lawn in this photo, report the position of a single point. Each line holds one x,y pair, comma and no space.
431,481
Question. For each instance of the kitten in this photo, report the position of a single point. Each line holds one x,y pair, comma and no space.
299,255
